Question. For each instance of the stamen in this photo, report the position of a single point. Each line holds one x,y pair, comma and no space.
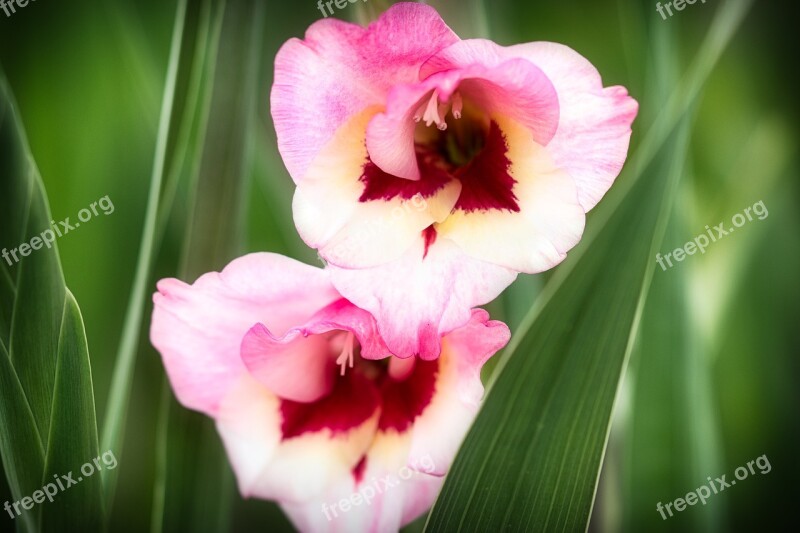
442,112
458,105
346,357
432,111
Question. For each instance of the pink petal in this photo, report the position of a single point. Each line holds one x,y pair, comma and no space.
198,329
341,69
415,301
343,315
438,431
514,88
300,365
401,475
594,129
550,220
317,452
295,367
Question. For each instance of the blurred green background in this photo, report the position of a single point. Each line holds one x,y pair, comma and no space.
714,377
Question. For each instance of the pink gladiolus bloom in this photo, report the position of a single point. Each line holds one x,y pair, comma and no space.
311,408
431,170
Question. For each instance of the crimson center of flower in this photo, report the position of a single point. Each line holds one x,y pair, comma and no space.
453,140
399,389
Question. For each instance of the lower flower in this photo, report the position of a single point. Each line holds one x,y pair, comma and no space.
314,411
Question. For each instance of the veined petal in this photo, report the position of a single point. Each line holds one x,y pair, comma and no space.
340,69
423,295
382,231
387,489
328,197
292,453
594,128
198,329
550,220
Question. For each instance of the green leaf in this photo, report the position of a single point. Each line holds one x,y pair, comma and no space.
72,443
660,438
35,283
47,414
20,443
673,438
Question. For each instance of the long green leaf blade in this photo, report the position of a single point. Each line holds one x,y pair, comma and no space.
73,434
34,281
48,417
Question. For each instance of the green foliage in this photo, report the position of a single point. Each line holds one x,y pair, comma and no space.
47,419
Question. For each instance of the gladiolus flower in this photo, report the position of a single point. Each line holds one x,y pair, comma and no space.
508,147
311,407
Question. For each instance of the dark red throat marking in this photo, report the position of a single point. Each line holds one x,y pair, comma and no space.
485,181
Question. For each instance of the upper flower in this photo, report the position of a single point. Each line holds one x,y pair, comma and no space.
501,151
310,406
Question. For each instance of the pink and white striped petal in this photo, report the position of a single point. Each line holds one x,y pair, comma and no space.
198,328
